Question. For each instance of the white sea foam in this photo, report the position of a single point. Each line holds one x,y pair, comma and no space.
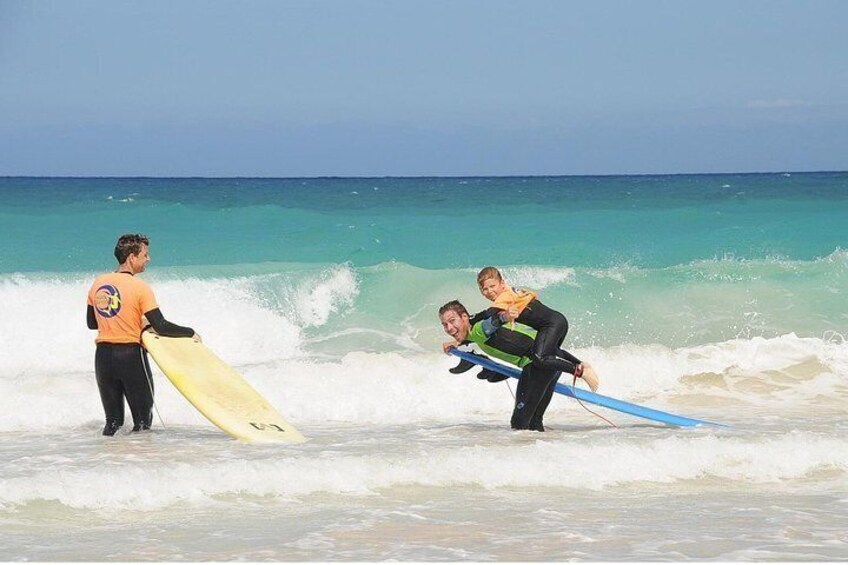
326,294
537,278
787,371
788,374
44,332
230,318
619,273
42,329
515,461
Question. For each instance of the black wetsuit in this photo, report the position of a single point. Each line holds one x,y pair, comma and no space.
536,385
552,327
123,371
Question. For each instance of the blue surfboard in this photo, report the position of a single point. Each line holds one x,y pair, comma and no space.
591,397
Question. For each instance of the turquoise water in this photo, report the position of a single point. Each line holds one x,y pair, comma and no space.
433,223
720,297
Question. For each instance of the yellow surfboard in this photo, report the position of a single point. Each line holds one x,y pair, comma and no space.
217,391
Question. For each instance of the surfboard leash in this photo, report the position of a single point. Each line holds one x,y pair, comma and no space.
149,375
611,423
574,384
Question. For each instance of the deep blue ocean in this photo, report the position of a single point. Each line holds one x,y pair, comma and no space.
719,297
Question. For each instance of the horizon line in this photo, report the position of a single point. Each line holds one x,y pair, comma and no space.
437,176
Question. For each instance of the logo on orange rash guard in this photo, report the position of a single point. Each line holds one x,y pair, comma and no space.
107,300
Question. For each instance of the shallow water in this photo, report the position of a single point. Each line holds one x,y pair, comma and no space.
762,489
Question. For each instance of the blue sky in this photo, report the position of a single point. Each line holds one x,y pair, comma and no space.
356,88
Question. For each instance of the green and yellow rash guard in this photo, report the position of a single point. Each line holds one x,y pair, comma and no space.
513,345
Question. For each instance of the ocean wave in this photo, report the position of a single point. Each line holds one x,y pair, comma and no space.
568,462
703,302
667,335
330,292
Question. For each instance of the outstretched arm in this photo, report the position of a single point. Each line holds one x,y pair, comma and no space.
487,313
165,328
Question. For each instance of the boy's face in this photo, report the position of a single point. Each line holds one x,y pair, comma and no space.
455,325
492,288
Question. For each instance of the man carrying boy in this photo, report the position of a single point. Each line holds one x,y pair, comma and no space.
513,345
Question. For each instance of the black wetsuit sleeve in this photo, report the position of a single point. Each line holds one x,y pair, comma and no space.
90,318
484,315
165,328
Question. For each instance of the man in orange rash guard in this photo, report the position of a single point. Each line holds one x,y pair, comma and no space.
119,307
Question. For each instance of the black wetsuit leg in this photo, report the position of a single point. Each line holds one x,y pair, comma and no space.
532,397
569,357
141,405
111,389
536,423
551,328
123,371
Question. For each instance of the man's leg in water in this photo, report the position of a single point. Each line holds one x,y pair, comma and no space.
533,388
522,414
536,422
111,388
138,386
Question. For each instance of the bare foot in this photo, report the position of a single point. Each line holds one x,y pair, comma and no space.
590,376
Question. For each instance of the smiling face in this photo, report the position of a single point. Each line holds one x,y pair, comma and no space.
456,325
492,288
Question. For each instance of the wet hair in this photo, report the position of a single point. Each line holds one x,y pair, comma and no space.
129,244
488,273
453,306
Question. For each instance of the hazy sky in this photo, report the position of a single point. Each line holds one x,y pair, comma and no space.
368,88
